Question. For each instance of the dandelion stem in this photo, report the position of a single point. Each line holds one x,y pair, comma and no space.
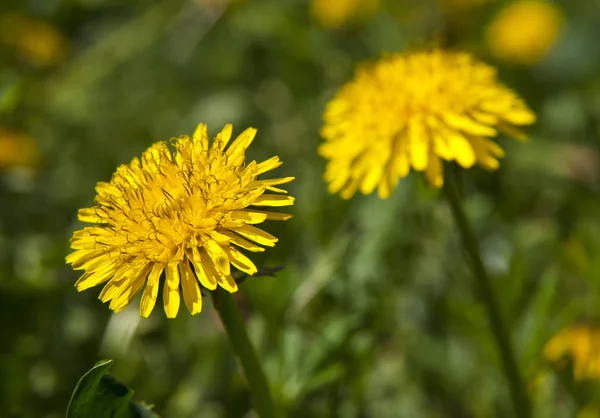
486,294
238,337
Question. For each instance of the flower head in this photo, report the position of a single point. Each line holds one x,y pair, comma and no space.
186,213
582,345
17,150
336,13
524,31
415,110
36,41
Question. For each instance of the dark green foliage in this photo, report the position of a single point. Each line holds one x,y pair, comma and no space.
100,395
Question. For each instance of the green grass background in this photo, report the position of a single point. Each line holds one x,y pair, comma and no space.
374,314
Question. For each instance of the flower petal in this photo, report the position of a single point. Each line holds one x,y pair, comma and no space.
191,291
151,291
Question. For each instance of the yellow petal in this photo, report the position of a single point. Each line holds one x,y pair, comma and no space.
519,116
223,137
483,153
249,217
241,143
351,188
257,235
373,170
442,148
418,145
207,280
88,215
468,125
218,256
399,163
385,187
241,262
121,278
271,216
98,276
273,200
434,172
127,295
171,298
80,259
268,165
462,150
151,291
241,242
276,189
484,118
191,291
214,274
275,182
201,136
227,283
336,176
127,282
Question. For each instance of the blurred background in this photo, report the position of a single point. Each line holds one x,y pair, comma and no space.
373,315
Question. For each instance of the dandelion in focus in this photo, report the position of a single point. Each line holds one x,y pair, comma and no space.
17,150
337,13
416,110
582,345
34,40
185,213
524,31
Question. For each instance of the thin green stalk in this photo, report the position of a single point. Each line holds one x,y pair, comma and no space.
240,342
485,292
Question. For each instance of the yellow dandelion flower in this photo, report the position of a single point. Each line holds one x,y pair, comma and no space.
415,110
17,150
524,31
582,345
34,40
336,13
173,210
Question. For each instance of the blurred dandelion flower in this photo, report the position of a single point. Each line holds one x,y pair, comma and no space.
196,205
582,345
415,110
35,41
336,13
17,150
524,31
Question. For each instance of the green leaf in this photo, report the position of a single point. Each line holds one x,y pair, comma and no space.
100,395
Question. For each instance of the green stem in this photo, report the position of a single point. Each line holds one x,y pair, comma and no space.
238,337
486,293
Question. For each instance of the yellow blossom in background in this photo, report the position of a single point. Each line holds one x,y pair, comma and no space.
416,110
17,150
524,31
337,13
170,211
34,40
582,345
